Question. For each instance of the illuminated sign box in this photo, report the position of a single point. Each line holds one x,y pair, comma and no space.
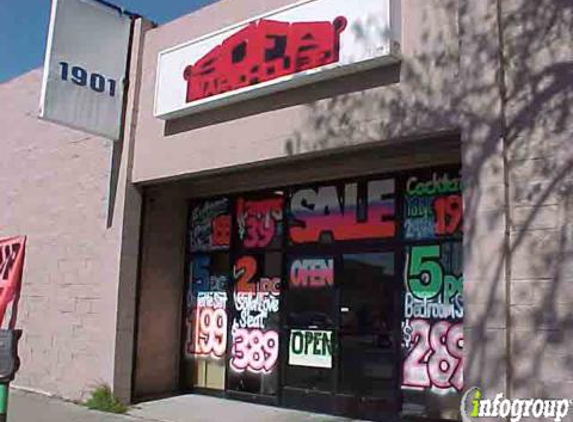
299,44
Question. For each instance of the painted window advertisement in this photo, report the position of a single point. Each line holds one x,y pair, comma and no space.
432,323
254,353
343,212
260,221
433,205
206,320
210,225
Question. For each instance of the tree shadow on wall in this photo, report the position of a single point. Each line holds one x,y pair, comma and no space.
516,123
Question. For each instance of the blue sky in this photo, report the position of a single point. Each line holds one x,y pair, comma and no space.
24,24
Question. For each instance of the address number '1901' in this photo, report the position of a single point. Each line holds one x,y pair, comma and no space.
81,77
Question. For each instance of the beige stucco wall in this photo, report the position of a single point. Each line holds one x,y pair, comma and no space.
55,183
71,194
540,166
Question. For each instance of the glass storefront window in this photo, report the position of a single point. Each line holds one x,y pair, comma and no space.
341,297
253,361
432,304
205,346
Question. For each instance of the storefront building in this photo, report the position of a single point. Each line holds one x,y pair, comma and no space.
370,241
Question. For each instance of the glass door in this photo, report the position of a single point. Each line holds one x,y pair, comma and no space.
368,380
310,330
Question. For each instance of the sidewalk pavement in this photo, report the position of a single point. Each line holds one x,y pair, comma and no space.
30,407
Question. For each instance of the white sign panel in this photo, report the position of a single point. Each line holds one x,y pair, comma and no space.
310,348
85,66
299,44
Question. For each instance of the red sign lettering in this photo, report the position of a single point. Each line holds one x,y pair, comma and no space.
263,51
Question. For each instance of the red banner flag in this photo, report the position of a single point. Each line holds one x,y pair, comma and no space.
11,267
